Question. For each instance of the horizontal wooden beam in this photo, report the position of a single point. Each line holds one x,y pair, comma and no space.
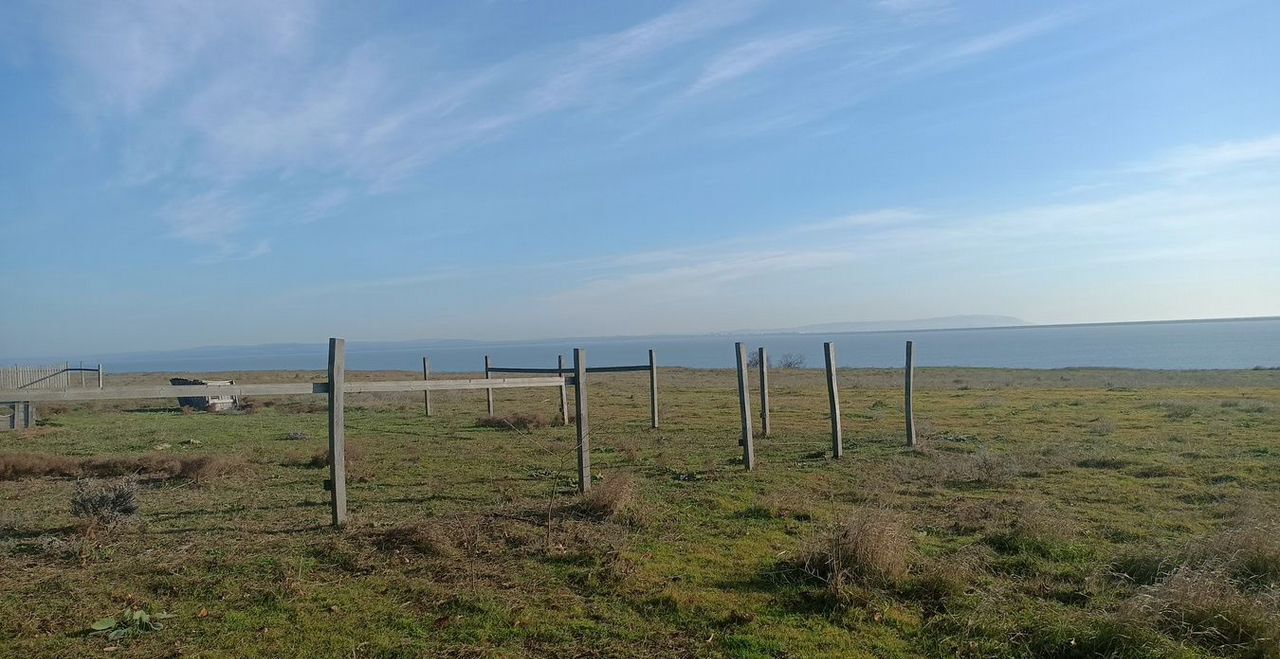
594,369
292,389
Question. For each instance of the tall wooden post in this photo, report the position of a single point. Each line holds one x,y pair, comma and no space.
833,397
744,407
99,376
82,383
337,439
906,392
426,393
764,392
653,390
28,415
488,393
580,408
564,395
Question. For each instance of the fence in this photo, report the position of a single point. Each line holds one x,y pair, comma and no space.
651,368
335,388
45,378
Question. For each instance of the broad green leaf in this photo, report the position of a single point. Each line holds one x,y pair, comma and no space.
103,624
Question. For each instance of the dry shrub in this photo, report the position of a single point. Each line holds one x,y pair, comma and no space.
165,466
105,504
1202,606
872,546
615,498
981,468
517,421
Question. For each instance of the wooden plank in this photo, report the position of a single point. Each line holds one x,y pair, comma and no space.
584,428
564,395
594,369
906,392
488,393
653,390
426,393
744,406
445,385
764,393
337,432
833,397
291,389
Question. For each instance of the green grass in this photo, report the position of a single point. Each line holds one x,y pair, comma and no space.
1047,513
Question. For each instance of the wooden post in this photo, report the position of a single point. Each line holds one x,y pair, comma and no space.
744,406
580,408
99,376
833,396
653,390
764,393
337,439
906,392
564,396
426,394
488,393
82,384
13,420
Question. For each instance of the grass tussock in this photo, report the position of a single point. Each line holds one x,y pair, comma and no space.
519,421
615,498
104,503
1202,606
870,547
150,466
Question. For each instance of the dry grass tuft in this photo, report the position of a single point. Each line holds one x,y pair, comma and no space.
517,421
105,504
466,535
872,546
1249,550
615,498
151,466
1202,606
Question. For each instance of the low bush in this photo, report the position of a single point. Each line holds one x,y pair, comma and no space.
103,503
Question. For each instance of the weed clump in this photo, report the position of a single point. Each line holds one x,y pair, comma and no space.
153,466
616,498
104,504
871,547
519,421
1202,606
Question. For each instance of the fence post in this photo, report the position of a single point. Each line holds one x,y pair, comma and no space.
906,391
99,376
426,393
744,406
833,396
653,389
13,420
580,408
764,393
82,384
488,393
337,439
564,395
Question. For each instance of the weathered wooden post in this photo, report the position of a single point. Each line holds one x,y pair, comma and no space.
99,376
488,393
580,408
337,439
28,414
833,396
82,383
906,392
426,393
653,390
564,395
744,406
764,392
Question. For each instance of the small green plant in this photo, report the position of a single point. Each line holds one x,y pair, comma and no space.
130,622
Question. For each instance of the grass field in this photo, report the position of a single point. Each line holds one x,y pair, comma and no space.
1047,513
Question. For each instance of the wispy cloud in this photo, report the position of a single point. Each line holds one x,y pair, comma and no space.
990,42
883,217
1196,161
213,220
744,59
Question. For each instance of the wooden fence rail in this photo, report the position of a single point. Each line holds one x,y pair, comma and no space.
651,368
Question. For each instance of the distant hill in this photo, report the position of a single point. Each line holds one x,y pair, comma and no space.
944,322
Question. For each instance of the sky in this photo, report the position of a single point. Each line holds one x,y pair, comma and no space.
179,173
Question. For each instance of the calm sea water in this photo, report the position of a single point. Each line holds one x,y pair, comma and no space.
1224,344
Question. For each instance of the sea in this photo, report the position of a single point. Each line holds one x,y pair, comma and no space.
1174,345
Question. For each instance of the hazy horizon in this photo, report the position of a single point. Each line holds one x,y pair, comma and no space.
239,173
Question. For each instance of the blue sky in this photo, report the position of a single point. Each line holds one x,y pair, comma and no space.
194,173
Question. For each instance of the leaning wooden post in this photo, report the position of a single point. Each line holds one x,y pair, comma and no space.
337,440
426,393
564,396
653,390
833,396
744,406
580,408
99,376
906,392
488,393
764,393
